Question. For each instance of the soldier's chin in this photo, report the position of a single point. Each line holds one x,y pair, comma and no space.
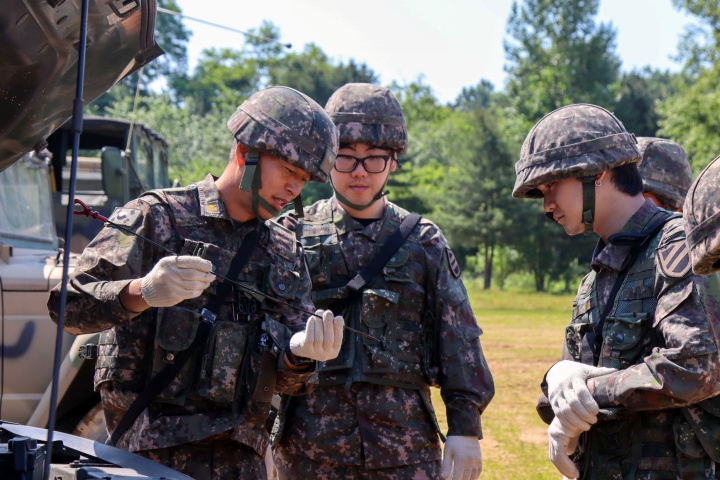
265,214
573,230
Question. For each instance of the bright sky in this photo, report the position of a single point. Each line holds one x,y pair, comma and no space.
451,44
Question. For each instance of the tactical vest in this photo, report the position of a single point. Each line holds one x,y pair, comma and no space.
224,374
624,442
391,308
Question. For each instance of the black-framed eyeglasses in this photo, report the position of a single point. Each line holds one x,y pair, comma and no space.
371,163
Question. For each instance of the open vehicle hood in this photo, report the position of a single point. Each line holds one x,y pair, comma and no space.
39,56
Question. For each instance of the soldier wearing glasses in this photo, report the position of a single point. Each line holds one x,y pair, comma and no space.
371,416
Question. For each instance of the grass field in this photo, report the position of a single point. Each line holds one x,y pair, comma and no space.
523,334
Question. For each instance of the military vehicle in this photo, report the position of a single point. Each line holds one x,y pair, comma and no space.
29,267
119,161
42,43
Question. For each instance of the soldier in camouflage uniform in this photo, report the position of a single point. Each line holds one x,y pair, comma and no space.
209,421
371,416
702,220
632,396
665,171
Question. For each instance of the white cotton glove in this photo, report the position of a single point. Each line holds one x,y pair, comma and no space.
462,458
562,443
321,339
174,279
569,396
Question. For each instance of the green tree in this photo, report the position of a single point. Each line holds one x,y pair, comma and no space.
478,97
198,144
689,117
556,55
476,190
172,36
315,74
637,103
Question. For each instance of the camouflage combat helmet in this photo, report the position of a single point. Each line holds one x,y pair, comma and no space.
701,213
578,140
665,170
367,113
289,125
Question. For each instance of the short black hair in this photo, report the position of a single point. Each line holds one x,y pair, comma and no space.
627,179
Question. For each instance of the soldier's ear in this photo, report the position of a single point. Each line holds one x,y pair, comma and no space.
393,165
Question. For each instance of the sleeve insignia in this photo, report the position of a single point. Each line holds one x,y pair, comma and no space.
452,263
127,217
674,259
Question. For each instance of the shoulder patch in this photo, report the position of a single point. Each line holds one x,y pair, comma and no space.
127,217
674,259
452,263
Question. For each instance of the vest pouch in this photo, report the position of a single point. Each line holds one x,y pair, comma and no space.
397,268
612,450
379,319
624,339
259,376
691,455
318,264
704,418
221,361
344,360
574,334
282,283
175,332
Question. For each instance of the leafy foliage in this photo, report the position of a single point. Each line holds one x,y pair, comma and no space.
459,167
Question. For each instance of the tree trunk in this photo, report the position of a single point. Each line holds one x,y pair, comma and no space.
489,255
539,281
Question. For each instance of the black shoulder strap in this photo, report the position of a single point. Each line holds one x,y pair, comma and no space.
389,248
160,381
592,341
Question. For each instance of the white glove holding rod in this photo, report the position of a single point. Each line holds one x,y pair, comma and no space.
462,458
569,395
562,443
321,339
174,279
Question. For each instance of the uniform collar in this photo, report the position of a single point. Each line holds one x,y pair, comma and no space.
614,257
345,223
211,204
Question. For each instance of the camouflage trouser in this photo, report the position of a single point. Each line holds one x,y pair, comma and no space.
214,458
292,467
208,459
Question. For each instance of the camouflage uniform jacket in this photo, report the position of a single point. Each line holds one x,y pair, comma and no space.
661,334
128,340
360,414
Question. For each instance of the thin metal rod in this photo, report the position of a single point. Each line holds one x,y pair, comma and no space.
77,122
199,20
93,214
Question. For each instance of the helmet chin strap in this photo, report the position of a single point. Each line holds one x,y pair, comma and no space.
588,209
357,207
251,181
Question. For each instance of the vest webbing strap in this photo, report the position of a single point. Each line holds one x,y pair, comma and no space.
592,341
389,248
160,381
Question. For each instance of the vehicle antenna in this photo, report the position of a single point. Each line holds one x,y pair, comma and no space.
77,123
199,20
